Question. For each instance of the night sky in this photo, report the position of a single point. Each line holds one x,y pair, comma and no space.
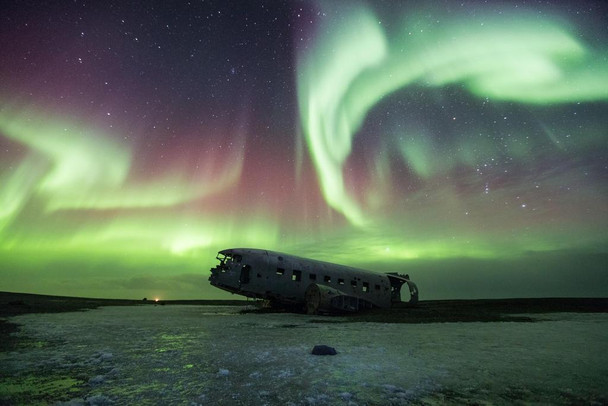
464,143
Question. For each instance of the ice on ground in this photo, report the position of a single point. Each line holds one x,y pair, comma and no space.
195,355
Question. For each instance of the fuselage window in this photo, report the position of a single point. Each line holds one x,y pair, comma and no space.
280,271
312,276
353,284
340,281
296,276
327,278
365,287
377,287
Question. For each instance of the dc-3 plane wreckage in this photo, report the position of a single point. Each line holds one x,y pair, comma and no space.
314,286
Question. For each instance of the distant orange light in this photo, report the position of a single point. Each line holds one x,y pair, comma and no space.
156,300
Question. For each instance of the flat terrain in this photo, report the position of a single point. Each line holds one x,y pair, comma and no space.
486,310
15,304
428,311
197,355
431,311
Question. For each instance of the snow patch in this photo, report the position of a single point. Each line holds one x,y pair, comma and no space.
346,396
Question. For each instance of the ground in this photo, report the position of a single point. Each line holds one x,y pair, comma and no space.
508,351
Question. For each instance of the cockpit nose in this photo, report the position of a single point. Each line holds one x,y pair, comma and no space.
213,274
223,275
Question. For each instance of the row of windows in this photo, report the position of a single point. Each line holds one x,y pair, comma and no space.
296,276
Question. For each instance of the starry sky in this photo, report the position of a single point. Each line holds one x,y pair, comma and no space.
464,143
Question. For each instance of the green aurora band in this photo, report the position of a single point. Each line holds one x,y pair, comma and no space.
77,174
354,65
77,218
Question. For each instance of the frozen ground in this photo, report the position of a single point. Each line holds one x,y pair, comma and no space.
191,355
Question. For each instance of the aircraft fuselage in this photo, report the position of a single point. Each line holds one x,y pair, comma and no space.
287,280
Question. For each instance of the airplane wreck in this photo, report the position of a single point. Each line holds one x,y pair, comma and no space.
314,286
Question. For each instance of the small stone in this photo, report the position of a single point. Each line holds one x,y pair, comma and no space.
323,350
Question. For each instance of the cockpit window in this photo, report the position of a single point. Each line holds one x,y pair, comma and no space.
222,265
229,257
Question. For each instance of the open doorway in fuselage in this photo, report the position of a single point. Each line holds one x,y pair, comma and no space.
245,275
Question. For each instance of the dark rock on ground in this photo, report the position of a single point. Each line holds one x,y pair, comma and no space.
323,350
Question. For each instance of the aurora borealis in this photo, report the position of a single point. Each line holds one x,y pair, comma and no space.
463,143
